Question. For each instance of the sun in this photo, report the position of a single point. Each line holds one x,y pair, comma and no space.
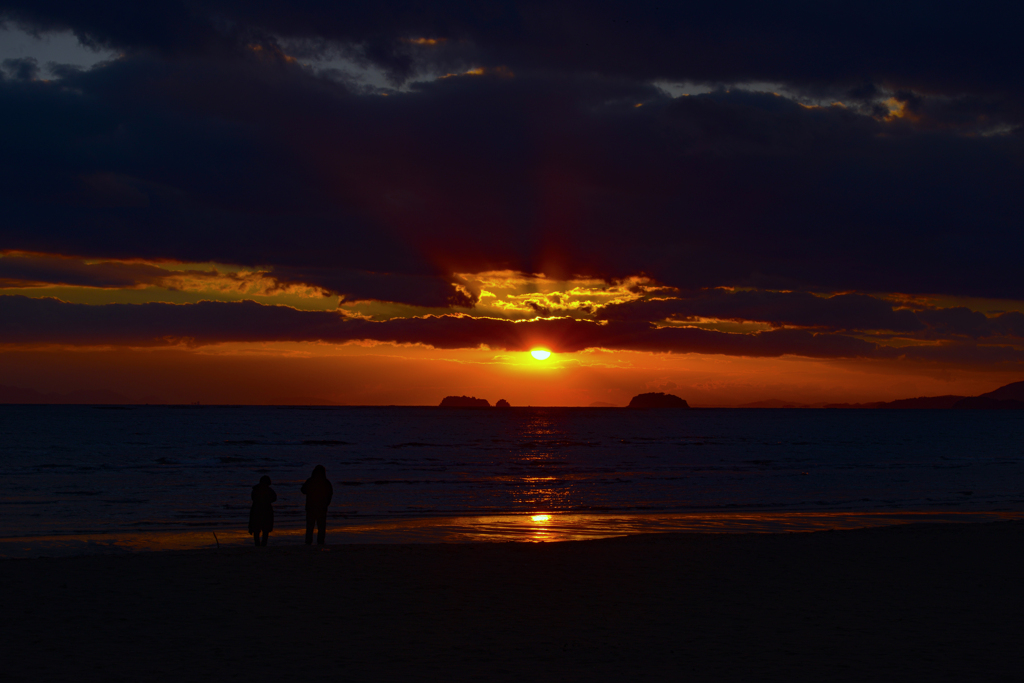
540,354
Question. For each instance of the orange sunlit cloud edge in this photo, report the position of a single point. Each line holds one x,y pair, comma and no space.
508,295
49,321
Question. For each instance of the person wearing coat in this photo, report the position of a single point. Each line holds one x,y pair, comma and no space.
318,491
261,514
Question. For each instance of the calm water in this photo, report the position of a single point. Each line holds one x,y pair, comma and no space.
426,473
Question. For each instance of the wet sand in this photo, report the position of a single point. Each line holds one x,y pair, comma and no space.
931,602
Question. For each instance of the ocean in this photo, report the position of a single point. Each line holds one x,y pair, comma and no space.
120,478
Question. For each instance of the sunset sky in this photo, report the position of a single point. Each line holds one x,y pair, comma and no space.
390,202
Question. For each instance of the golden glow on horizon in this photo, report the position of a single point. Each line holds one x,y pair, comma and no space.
541,518
303,373
540,354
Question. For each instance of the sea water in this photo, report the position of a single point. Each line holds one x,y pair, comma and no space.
96,477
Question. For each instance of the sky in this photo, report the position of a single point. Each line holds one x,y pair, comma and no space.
390,202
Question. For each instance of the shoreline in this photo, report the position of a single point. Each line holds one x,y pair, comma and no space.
461,529
912,602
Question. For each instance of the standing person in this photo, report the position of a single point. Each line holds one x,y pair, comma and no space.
318,492
261,514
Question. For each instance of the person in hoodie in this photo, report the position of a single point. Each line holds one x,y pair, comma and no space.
318,491
261,514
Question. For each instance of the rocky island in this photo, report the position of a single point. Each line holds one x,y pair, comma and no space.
502,403
464,402
657,399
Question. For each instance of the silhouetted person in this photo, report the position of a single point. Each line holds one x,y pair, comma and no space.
318,492
261,514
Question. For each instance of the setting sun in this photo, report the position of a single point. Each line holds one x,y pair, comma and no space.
540,354
541,518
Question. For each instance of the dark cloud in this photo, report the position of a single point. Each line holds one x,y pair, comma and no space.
22,69
960,354
429,292
963,321
49,321
32,270
134,161
206,141
168,26
959,321
25,270
949,47
1008,324
245,162
802,309
840,312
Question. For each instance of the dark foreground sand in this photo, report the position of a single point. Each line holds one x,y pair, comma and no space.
912,603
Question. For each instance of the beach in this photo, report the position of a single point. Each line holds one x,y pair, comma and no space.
911,602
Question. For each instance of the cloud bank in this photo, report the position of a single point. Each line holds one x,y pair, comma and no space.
825,162
49,321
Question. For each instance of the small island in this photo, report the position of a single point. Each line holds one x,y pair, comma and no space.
464,402
657,399
502,403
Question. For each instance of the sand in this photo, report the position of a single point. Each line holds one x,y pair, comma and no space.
927,602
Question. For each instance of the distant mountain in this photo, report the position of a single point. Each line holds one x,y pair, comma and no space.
1011,392
602,404
924,402
1009,397
657,399
464,402
979,403
919,403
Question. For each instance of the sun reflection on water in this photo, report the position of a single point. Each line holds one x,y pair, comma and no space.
541,527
